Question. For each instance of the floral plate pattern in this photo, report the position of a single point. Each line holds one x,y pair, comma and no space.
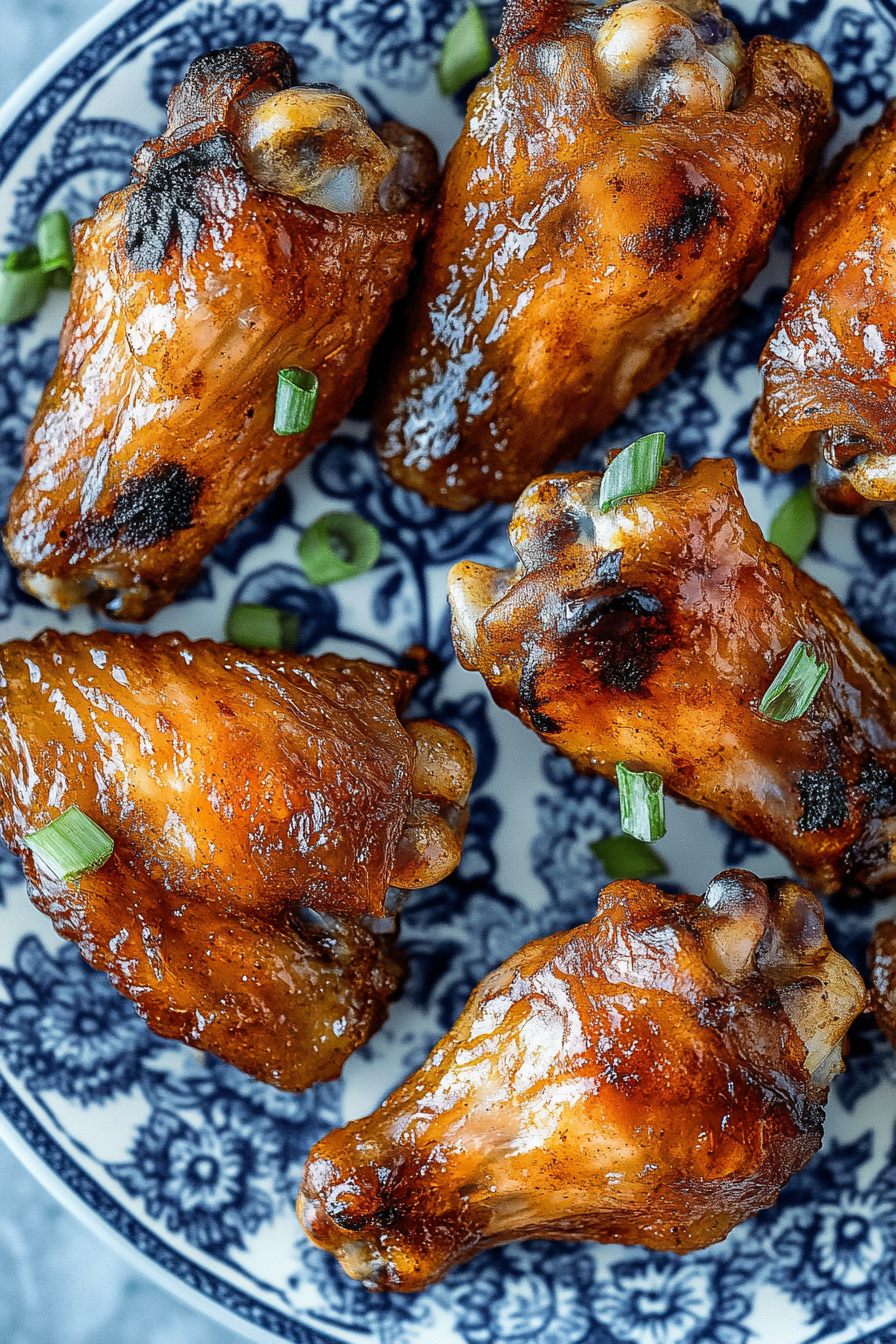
196,1166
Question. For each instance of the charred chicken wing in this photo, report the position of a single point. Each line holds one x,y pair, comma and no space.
652,1077
650,633
239,790
829,368
270,227
614,192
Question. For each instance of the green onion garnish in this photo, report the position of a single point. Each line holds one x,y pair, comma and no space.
338,546
23,285
622,856
641,806
54,246
795,525
795,687
296,399
253,626
71,846
466,52
634,471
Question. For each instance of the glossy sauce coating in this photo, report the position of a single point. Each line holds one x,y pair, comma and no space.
649,635
614,192
652,1077
829,367
882,965
193,286
239,789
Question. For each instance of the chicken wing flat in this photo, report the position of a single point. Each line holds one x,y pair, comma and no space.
613,193
649,634
652,1077
829,368
239,789
882,965
270,227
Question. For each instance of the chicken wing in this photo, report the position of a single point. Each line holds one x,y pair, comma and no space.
829,368
652,1077
239,789
882,965
614,192
269,227
650,633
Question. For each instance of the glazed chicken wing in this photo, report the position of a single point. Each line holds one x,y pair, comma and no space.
652,1077
829,368
270,227
239,789
613,193
649,634
882,965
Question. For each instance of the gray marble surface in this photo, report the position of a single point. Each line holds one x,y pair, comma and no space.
59,1284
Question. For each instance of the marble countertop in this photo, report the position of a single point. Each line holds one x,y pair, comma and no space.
59,1284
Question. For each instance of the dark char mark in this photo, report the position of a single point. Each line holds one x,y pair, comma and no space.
620,635
696,212
155,505
527,692
167,203
823,800
879,787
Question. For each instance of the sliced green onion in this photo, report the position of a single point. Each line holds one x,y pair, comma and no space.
71,846
641,806
795,525
296,400
338,546
23,285
253,626
54,245
796,685
634,471
466,52
622,856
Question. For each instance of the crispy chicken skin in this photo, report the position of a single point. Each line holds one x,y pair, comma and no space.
882,965
269,227
829,368
613,193
652,1077
649,635
239,788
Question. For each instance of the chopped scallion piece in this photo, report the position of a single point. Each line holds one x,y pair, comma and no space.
71,846
795,525
795,687
296,399
54,245
253,626
641,805
338,546
23,285
466,52
622,856
634,471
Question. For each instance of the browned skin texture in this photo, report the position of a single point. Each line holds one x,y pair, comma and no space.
268,228
829,368
649,634
613,193
239,788
652,1077
882,964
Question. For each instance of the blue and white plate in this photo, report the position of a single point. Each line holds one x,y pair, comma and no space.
195,1166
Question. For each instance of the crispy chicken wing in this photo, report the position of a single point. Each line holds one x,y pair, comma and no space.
269,227
882,964
650,633
829,368
239,789
652,1077
614,192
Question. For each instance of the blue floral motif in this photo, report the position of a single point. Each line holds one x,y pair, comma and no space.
578,811
859,48
397,40
66,1029
871,602
527,1293
664,1300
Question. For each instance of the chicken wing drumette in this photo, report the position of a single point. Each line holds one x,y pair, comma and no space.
239,790
829,368
270,227
614,192
652,1077
650,633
